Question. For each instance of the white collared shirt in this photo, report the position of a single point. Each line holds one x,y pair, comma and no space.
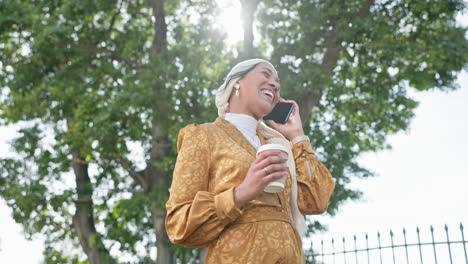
247,125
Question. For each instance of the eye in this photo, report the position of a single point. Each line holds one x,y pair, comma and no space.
266,74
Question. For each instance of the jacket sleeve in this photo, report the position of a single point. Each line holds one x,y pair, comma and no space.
314,181
195,216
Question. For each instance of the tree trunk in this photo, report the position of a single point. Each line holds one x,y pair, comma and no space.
248,16
165,254
160,27
152,179
160,148
83,220
307,102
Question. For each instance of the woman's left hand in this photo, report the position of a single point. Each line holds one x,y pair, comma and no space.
293,127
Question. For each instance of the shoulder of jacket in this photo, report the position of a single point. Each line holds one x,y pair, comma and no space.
197,128
207,126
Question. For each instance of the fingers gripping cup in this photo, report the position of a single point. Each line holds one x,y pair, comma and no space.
276,185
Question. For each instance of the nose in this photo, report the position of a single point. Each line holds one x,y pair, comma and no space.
275,86
273,83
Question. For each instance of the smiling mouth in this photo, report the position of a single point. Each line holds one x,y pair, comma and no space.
269,94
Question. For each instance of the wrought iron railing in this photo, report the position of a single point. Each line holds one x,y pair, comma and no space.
438,251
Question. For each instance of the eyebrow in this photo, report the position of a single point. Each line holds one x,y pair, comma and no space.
271,72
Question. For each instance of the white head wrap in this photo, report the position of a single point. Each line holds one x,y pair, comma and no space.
225,90
271,136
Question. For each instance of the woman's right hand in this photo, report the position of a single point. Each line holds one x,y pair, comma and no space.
267,167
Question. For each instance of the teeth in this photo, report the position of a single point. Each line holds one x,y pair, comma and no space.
268,93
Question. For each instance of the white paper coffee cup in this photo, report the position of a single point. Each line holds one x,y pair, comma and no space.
276,185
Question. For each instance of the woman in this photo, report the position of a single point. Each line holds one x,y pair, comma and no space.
217,199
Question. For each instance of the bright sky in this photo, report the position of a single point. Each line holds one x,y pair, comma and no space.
422,181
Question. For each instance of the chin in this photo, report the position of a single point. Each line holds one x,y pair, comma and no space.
270,107
263,108
266,111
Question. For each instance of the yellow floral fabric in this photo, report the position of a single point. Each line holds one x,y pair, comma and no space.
212,160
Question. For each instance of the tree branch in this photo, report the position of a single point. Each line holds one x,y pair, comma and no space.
138,176
331,40
330,59
114,17
112,54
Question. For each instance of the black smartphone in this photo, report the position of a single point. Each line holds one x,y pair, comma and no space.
280,113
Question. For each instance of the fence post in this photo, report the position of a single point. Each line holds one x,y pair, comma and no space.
406,245
333,248
433,244
393,246
448,243
463,241
312,251
355,249
322,251
419,244
367,249
380,247
344,250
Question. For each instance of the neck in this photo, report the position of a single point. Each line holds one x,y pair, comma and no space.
236,107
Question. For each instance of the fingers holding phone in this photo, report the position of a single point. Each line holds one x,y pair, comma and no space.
295,114
286,119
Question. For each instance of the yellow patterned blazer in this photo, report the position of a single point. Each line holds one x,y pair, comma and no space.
213,159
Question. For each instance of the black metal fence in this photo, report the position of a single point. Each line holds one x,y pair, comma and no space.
422,248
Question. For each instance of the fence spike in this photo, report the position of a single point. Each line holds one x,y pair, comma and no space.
433,244
312,250
367,248
355,249
464,242
448,243
380,247
322,250
344,250
393,246
406,245
333,248
419,244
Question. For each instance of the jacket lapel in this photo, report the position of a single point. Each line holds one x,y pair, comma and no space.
261,137
233,133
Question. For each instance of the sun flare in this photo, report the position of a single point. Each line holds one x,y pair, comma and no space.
229,20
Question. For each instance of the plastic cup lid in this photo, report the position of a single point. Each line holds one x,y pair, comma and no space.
272,147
